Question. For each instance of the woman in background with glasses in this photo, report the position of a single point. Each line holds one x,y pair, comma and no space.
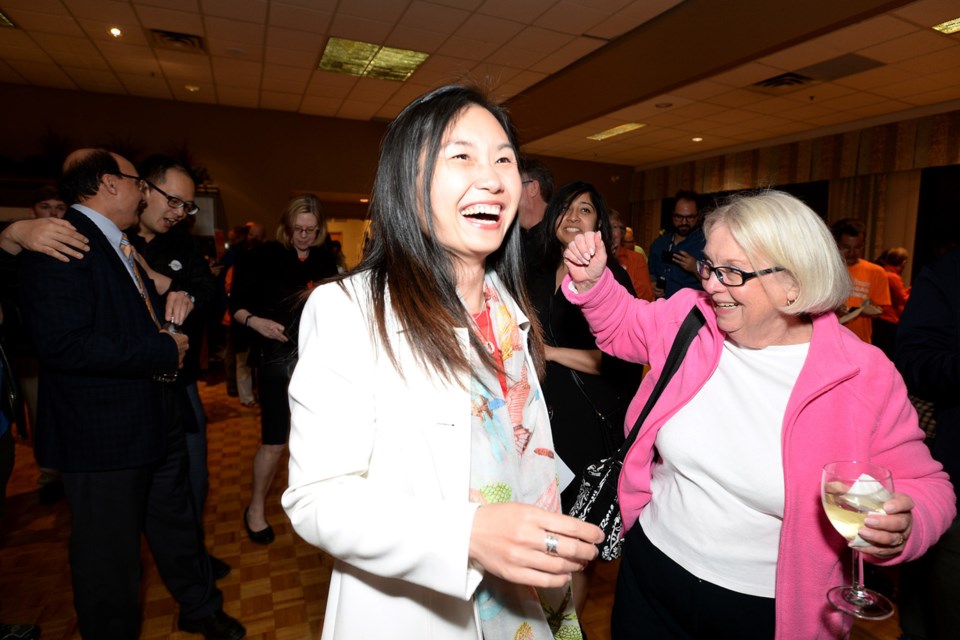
720,494
265,297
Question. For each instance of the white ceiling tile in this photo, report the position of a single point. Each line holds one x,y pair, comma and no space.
542,41
928,12
362,29
851,101
697,110
918,84
425,15
43,23
874,78
94,80
866,34
247,10
225,67
403,37
492,75
7,74
282,85
295,40
320,106
383,10
942,94
944,59
910,46
65,44
511,55
388,112
289,58
43,74
279,101
804,113
836,117
105,10
736,98
169,20
880,107
819,92
80,61
319,5
770,105
488,29
325,84
468,5
289,16
568,17
51,7
145,85
287,73
407,93
126,58
524,12
700,90
177,5
235,31
238,50
29,52
238,97
373,90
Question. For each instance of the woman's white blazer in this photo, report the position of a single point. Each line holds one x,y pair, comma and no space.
379,475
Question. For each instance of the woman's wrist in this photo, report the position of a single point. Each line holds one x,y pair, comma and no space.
246,322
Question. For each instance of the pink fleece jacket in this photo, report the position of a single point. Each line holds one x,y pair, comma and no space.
849,403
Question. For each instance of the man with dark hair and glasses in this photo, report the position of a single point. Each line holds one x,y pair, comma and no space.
107,421
673,256
175,262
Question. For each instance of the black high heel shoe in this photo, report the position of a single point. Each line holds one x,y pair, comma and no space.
264,536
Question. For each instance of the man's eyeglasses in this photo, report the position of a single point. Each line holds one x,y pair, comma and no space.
730,276
189,207
689,218
127,175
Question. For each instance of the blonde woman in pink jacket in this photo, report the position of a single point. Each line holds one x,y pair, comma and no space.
720,494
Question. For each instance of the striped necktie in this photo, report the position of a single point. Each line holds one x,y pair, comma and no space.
127,250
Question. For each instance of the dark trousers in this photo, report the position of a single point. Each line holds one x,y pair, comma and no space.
657,599
930,590
110,509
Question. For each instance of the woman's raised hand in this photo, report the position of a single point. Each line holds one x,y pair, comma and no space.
586,258
528,545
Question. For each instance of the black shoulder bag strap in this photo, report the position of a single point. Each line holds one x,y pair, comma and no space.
691,325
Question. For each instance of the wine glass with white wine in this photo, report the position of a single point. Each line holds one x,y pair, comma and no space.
850,492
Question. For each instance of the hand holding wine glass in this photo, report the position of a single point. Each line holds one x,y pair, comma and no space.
851,493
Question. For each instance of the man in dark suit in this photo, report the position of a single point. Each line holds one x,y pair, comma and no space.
107,422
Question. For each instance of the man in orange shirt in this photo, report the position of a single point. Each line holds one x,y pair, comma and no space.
870,289
634,263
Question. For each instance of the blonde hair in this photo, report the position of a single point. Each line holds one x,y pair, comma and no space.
780,228
297,206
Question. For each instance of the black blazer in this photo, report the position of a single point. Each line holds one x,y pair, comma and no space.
98,408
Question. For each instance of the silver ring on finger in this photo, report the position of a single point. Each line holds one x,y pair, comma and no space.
550,543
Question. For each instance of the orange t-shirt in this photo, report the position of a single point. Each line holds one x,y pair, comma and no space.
636,267
869,283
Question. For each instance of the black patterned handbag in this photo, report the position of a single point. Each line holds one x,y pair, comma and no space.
597,501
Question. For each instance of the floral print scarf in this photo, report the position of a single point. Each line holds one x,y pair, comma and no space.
512,460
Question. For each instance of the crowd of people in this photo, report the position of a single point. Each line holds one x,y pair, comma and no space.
440,400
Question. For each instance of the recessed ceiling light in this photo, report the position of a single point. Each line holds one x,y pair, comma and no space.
616,131
364,200
368,60
116,32
6,22
697,139
950,26
192,88
663,105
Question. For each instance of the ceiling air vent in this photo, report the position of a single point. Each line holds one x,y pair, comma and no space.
840,67
185,42
781,84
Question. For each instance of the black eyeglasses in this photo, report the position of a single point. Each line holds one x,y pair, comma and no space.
127,175
730,276
189,207
690,217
